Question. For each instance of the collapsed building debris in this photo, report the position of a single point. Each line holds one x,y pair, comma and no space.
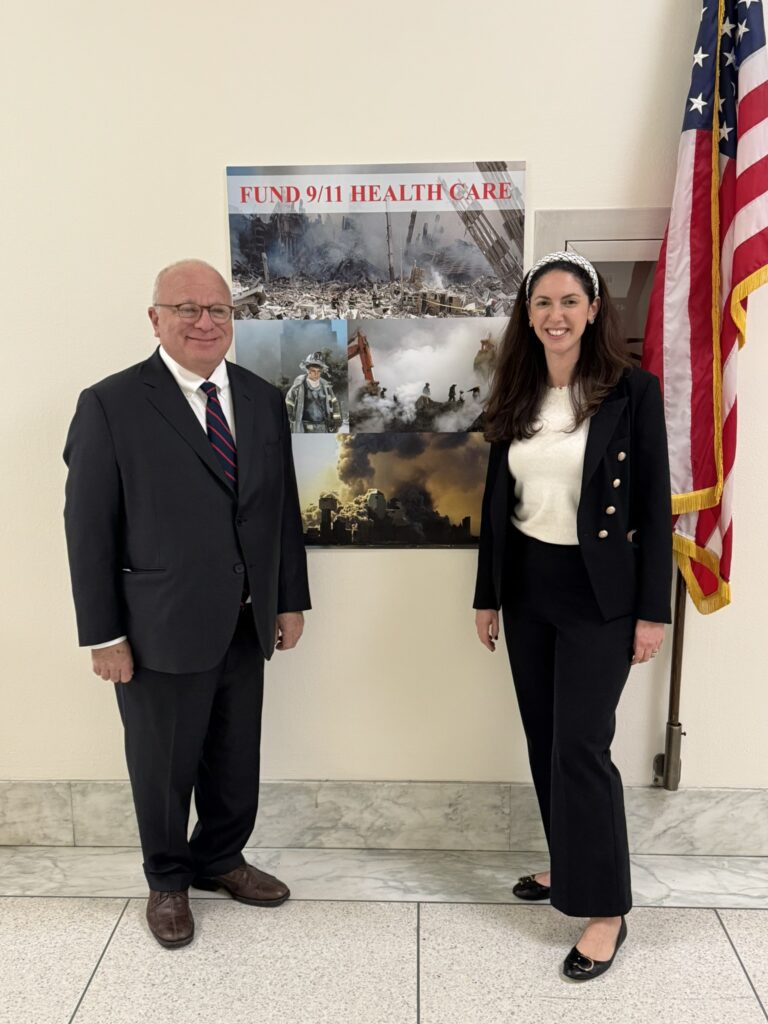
294,265
304,299
505,255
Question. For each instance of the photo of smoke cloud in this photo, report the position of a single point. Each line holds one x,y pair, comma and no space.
280,351
291,263
421,375
391,490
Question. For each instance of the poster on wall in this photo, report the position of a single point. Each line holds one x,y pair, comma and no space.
374,298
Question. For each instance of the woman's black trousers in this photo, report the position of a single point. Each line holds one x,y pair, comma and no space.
569,667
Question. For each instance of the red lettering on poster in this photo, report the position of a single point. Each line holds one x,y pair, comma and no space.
269,194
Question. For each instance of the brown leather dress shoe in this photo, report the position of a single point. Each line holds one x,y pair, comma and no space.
170,919
247,885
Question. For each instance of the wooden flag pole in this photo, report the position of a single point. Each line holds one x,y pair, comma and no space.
667,766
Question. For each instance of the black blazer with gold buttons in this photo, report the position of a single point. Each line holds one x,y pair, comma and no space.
624,518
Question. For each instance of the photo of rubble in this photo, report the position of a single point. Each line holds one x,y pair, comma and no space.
462,262
278,350
391,490
421,375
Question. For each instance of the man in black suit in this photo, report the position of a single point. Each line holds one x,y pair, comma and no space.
188,568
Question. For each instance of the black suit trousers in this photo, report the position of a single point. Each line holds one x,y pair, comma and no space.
569,668
195,732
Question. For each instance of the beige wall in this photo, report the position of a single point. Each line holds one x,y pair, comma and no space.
114,147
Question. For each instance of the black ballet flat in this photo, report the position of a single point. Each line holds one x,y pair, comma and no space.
579,967
527,888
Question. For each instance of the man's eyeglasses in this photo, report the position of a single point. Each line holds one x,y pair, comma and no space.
219,312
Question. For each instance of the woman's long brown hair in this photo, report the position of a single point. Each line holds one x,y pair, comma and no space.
520,380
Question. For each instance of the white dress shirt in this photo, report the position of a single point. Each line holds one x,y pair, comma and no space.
189,383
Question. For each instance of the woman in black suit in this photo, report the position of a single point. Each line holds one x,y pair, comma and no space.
576,550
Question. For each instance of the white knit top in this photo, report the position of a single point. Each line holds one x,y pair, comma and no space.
547,469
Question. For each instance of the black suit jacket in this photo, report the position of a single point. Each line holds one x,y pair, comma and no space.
159,543
629,577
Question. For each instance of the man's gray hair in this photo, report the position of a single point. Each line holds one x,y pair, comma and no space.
185,263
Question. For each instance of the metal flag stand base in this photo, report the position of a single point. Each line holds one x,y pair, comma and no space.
667,766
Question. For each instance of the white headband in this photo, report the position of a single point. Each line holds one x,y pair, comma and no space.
563,257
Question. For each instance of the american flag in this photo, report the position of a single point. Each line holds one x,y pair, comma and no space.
715,252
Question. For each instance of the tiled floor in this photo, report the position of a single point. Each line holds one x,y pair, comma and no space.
376,936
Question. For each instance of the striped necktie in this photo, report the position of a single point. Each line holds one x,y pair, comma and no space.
219,433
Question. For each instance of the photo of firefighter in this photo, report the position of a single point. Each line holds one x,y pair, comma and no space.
307,361
312,406
465,263
421,375
390,490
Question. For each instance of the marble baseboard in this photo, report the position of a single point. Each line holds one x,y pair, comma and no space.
384,815
102,812
717,822
36,813
397,816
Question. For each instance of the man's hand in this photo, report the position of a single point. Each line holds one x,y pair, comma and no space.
487,625
648,640
288,630
115,663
